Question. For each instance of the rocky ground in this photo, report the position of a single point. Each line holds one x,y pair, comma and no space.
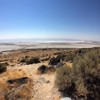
42,87
30,74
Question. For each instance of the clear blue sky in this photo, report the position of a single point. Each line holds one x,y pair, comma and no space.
74,19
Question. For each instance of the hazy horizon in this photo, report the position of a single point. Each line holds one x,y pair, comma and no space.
64,19
46,40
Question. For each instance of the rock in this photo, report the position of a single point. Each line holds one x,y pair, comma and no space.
42,79
66,98
54,61
47,81
43,69
20,69
22,80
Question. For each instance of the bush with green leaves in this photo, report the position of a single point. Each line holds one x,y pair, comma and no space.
82,81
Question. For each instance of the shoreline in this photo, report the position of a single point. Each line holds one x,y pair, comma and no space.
4,47
7,47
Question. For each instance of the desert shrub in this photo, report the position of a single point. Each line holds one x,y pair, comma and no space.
79,52
83,80
70,56
54,61
60,64
64,80
51,68
88,68
61,56
33,60
30,60
3,67
82,51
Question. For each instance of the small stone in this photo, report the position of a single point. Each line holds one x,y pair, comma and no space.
47,81
66,98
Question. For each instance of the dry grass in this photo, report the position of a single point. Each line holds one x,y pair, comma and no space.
16,74
22,92
13,91
3,87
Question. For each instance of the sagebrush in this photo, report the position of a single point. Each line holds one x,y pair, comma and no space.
82,81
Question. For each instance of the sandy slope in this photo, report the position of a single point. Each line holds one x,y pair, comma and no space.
44,88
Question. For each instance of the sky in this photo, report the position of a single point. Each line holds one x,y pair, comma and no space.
68,19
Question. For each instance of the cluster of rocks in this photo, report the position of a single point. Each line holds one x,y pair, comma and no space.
44,69
54,63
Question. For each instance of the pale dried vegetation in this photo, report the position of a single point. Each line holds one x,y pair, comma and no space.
82,81
15,90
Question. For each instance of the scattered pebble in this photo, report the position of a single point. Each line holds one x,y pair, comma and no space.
47,81
66,98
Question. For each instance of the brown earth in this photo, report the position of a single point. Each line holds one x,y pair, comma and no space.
14,57
41,87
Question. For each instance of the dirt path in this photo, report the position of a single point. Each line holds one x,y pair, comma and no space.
44,88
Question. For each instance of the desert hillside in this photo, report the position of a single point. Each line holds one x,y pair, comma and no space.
31,74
